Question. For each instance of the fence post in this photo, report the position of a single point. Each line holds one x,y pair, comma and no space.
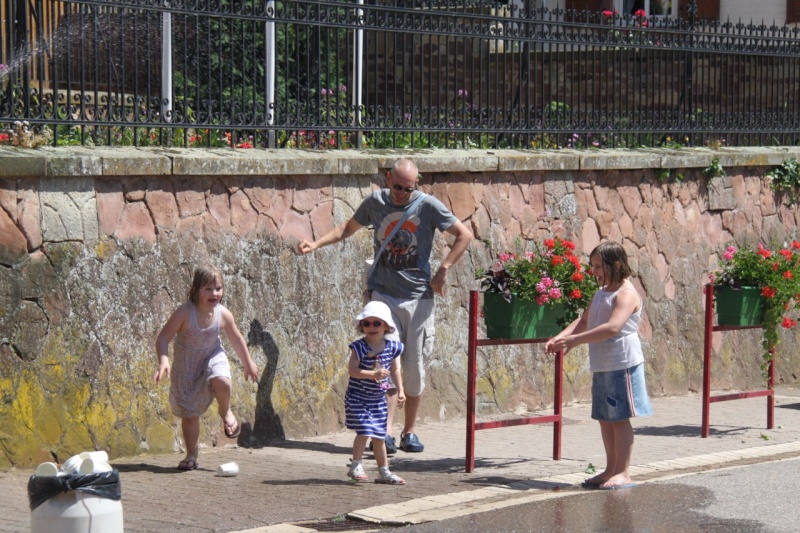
358,71
269,38
166,65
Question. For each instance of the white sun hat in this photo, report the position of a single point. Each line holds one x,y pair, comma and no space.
378,310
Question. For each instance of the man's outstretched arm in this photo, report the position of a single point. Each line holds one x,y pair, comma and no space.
337,234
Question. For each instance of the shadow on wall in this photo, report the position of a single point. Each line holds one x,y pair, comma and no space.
267,425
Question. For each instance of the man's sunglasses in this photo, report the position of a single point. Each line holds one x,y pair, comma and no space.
401,188
374,323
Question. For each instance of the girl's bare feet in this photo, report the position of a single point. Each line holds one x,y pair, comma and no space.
619,480
595,481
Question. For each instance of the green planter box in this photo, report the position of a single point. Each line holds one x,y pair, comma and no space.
520,319
739,307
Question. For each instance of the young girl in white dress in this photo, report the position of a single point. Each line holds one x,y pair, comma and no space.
200,371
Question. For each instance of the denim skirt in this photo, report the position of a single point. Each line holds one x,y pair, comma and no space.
620,394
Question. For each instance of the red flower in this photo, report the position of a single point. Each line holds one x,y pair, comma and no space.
786,254
787,274
763,252
4,137
550,243
796,245
577,276
775,267
575,294
608,13
556,260
768,292
569,245
788,322
574,260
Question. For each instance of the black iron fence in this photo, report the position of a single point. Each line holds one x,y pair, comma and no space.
391,73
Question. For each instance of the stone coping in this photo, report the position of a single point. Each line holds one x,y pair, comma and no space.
129,161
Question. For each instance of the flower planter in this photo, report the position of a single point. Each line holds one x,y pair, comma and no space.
520,319
739,307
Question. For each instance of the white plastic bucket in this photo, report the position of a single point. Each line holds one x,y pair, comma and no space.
76,512
72,464
92,466
98,456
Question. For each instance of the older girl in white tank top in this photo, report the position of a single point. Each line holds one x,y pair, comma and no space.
610,328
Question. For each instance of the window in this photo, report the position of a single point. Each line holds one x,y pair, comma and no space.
792,11
657,8
706,9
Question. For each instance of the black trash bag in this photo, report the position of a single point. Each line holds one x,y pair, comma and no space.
104,485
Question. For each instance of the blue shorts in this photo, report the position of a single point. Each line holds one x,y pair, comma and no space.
620,395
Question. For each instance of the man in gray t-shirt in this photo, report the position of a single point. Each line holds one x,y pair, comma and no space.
402,277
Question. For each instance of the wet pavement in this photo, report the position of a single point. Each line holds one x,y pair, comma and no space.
301,485
752,499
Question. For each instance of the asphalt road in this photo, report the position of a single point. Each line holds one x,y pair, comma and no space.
760,498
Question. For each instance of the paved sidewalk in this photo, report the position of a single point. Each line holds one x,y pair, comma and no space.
300,485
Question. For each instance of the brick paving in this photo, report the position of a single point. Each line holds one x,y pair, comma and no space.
302,481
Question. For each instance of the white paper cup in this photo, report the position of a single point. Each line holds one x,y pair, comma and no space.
228,470
47,469
96,456
72,464
91,466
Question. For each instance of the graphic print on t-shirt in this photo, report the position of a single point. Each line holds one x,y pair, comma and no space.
401,252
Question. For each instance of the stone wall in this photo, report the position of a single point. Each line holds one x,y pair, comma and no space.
97,248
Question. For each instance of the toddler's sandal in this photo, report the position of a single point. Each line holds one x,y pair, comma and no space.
391,479
357,474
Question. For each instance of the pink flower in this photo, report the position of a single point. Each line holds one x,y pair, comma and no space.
729,253
542,299
541,287
554,293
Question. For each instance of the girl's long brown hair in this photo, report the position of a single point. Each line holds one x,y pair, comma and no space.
614,259
202,277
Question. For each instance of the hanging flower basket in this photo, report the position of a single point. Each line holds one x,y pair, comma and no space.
772,274
535,294
742,306
520,319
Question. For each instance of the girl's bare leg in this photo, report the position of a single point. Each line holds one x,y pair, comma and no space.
607,432
360,444
222,392
191,436
379,451
623,450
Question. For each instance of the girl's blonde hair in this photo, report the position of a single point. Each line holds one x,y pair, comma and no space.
614,259
202,277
